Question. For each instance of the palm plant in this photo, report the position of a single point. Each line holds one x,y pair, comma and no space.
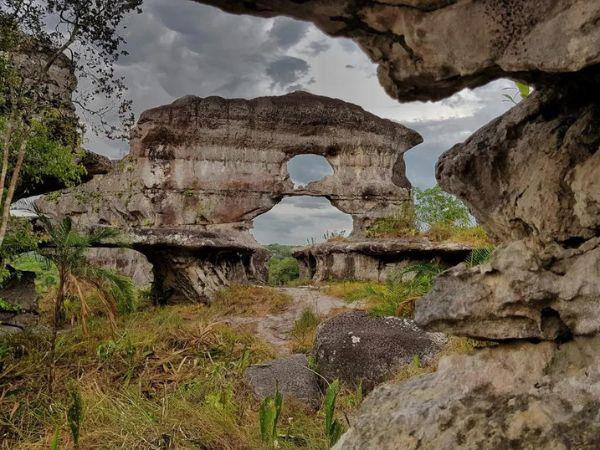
78,278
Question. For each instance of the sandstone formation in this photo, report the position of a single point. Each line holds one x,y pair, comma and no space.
430,49
359,349
373,259
201,169
126,261
290,375
517,396
531,179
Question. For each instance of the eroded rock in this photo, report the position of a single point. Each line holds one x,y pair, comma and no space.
290,375
357,348
425,50
525,396
373,259
201,169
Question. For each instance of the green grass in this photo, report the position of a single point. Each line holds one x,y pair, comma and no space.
395,297
167,377
46,274
304,330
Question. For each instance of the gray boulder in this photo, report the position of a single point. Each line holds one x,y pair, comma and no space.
358,348
291,375
20,308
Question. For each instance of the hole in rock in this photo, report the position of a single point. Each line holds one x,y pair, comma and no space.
304,169
554,327
301,220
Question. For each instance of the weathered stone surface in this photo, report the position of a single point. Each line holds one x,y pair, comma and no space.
534,171
361,349
126,261
525,396
291,375
21,294
373,259
426,51
217,163
200,170
523,292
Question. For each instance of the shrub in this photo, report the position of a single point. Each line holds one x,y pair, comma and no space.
434,206
403,222
283,270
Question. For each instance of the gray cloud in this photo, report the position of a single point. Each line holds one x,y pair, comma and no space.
296,219
317,47
287,32
287,70
306,168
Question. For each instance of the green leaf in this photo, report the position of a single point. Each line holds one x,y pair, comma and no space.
524,89
54,442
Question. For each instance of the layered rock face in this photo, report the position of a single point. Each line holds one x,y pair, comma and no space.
531,178
430,49
374,259
200,170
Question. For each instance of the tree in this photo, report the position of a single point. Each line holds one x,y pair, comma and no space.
43,43
435,207
78,278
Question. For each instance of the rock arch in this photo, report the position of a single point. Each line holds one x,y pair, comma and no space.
200,169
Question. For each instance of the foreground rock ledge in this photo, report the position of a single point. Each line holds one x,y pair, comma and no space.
522,396
426,51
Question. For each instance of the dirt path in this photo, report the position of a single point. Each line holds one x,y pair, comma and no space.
276,328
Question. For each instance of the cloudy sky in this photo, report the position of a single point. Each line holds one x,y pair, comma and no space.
179,47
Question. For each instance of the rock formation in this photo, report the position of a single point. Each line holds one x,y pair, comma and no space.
200,170
18,303
359,349
430,49
531,178
373,259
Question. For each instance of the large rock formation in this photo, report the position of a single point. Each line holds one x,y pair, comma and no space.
374,259
531,178
517,396
200,170
430,49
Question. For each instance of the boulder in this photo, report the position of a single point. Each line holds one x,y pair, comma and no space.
521,396
291,375
357,348
125,261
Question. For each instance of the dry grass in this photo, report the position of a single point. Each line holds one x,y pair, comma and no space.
304,331
168,378
250,300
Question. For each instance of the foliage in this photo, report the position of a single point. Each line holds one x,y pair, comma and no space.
396,297
479,256
269,413
75,415
333,429
46,274
523,89
402,223
19,239
304,330
435,206
283,270
280,251
169,375
47,159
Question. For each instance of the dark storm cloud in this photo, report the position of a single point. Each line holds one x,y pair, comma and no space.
287,70
287,32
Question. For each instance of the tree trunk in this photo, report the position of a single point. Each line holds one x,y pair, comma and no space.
60,297
6,141
11,189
